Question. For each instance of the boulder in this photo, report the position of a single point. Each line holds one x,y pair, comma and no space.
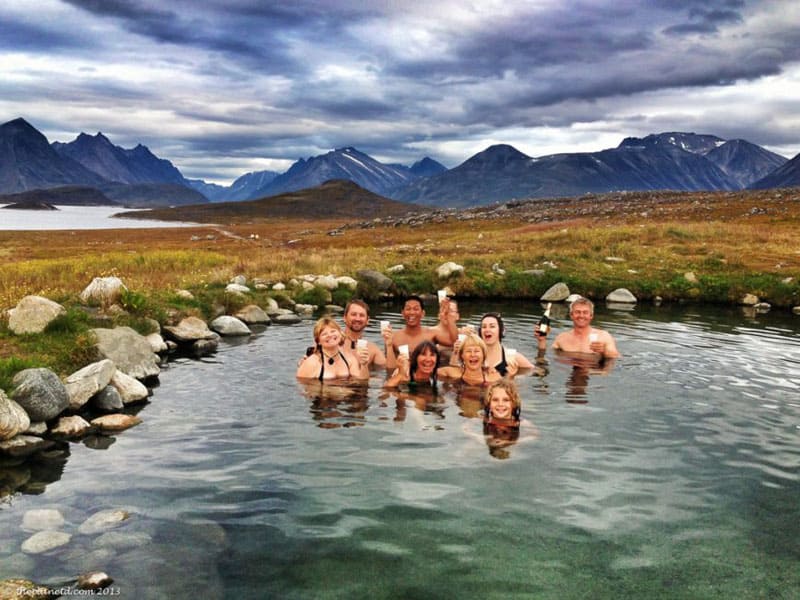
24,445
253,314
557,293
41,393
71,427
86,382
205,347
103,521
374,279
131,352
396,269
93,580
227,325
327,282
348,282
13,418
32,314
239,280
286,319
235,288
104,291
115,422
129,388
42,519
621,295
189,329
271,307
108,400
449,269
184,294
749,300
157,343
43,541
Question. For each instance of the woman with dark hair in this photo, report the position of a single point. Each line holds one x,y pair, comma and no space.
420,367
492,331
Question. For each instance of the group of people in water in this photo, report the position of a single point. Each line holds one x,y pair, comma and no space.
418,355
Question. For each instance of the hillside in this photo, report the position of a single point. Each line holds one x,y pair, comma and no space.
333,199
67,195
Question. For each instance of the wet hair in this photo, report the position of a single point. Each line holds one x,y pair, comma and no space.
472,340
357,302
426,345
584,301
500,324
322,324
415,298
513,395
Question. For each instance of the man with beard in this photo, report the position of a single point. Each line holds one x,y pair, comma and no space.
414,333
356,319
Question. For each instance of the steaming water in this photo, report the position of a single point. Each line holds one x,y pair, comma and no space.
674,475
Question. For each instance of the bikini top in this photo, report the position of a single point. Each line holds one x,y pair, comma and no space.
483,383
323,360
502,366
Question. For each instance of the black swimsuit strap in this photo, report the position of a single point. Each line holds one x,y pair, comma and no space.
322,360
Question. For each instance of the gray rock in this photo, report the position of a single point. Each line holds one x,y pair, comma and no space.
253,314
129,388
557,293
123,541
184,294
104,520
131,352
227,325
104,291
205,347
614,259
108,400
86,382
449,269
271,307
42,519
32,314
396,269
41,393
44,541
305,310
534,272
13,418
36,428
621,295
347,282
157,343
94,580
24,445
374,279
235,288
286,319
189,329
572,297
239,280
327,282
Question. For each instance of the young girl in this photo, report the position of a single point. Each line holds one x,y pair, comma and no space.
502,418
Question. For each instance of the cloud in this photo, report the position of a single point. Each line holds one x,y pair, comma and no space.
245,81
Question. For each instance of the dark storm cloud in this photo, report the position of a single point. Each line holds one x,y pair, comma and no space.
20,37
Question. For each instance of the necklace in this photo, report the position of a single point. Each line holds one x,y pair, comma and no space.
330,358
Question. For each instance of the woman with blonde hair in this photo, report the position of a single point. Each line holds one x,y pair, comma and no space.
472,368
330,359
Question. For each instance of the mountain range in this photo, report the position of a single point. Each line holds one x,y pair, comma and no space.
136,177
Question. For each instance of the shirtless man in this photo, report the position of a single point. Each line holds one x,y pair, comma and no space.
583,338
414,333
356,319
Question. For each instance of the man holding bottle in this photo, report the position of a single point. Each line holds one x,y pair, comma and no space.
583,338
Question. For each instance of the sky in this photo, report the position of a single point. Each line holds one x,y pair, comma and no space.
225,87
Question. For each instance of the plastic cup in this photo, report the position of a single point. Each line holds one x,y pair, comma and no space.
462,337
361,344
593,337
403,350
384,325
442,295
511,355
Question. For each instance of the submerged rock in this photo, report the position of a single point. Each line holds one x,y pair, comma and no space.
103,521
43,541
42,519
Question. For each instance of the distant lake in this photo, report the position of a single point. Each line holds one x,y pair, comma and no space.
75,217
